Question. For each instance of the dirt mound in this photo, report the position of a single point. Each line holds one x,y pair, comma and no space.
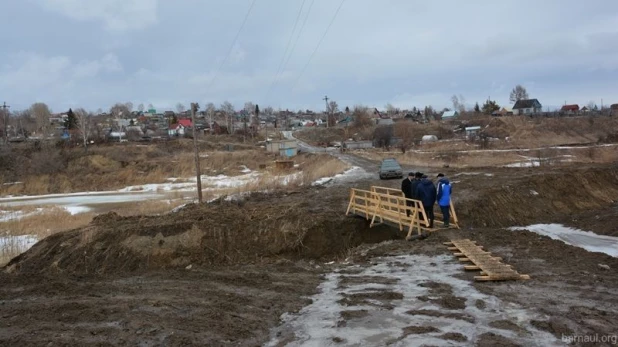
543,196
263,228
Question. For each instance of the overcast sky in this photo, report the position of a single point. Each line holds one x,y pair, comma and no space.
72,53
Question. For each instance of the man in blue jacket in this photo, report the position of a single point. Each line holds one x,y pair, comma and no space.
426,193
444,198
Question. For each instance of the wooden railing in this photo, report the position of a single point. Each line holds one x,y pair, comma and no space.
382,204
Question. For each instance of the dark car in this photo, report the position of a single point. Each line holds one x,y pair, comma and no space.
390,168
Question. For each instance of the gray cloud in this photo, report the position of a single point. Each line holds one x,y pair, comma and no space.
407,52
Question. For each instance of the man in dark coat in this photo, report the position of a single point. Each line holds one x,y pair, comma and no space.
406,188
426,193
415,182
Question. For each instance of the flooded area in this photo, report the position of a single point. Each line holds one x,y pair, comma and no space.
408,300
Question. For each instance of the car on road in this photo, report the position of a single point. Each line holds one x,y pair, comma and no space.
390,168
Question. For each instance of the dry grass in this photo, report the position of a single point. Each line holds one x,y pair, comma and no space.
45,222
111,168
320,166
465,158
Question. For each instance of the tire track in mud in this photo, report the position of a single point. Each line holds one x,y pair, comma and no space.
408,300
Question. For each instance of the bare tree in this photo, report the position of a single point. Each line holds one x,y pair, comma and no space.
41,113
129,106
591,105
210,112
99,111
83,119
140,107
268,110
333,108
249,107
247,113
150,106
119,110
180,108
228,110
408,133
361,117
383,136
518,93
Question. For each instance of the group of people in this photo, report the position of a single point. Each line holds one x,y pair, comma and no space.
419,187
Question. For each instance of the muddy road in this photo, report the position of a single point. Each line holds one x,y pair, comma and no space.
288,269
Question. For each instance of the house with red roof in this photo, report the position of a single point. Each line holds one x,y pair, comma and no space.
180,128
570,108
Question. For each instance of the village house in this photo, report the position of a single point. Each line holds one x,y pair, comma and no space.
180,128
613,110
570,108
503,112
450,115
528,106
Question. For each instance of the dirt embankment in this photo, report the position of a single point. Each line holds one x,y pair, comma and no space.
263,228
535,196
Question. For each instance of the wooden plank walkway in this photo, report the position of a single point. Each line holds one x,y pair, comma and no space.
492,268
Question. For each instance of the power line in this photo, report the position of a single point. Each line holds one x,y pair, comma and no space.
302,27
318,46
298,36
287,47
232,45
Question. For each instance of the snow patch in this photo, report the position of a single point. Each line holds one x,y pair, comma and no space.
531,163
534,192
73,210
579,238
349,175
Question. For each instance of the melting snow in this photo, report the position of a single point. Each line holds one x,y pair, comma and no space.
575,237
532,163
321,322
349,175
73,210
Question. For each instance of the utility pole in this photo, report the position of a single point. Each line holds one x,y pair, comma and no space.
198,172
327,111
5,115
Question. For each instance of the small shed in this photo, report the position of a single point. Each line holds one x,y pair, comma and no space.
472,131
284,148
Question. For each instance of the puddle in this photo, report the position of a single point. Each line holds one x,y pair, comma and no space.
579,238
402,308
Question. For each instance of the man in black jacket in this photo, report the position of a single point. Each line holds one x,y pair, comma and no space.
406,188
426,193
415,182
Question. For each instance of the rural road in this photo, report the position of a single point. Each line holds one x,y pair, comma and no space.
368,165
